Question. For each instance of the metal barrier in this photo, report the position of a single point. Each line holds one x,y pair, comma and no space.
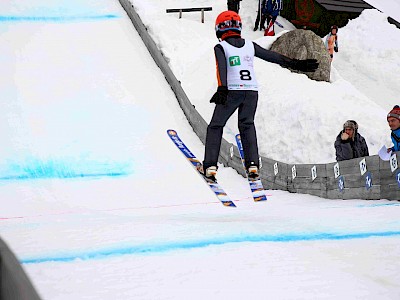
181,10
14,283
350,184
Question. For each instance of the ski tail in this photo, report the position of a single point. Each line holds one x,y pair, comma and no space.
190,157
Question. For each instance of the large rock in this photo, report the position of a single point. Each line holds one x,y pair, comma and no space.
302,44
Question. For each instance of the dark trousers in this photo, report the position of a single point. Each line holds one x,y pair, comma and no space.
262,23
246,102
233,5
270,18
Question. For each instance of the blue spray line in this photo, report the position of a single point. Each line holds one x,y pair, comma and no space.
55,18
378,205
158,248
68,176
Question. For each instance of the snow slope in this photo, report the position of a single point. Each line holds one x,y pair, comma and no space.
97,203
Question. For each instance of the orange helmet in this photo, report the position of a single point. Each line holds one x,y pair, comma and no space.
228,21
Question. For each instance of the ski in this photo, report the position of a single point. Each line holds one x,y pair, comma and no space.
260,12
270,30
214,186
257,189
279,24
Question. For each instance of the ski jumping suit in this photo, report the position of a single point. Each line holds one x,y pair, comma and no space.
234,59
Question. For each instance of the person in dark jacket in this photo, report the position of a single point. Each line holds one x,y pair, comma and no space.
261,16
349,143
272,10
393,119
268,10
238,90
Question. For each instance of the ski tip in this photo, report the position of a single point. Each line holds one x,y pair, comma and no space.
228,203
260,199
171,132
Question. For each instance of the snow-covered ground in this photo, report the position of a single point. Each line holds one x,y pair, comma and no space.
297,119
389,7
97,203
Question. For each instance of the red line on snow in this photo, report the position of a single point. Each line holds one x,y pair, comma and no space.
118,209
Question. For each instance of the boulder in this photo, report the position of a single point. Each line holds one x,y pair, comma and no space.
302,44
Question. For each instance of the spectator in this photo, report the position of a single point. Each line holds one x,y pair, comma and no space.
349,143
331,41
269,12
260,15
272,10
393,119
234,5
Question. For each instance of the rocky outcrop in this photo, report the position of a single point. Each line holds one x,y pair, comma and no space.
302,44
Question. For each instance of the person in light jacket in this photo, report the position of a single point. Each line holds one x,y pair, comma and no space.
331,42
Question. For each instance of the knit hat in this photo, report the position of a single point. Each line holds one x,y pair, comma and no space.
351,124
394,113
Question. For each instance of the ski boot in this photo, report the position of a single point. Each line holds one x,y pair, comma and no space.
210,173
252,172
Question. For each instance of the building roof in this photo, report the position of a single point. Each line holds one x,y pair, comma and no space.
345,5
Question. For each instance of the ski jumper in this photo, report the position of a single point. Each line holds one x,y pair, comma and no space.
234,62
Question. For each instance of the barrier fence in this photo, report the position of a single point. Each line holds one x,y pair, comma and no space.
379,181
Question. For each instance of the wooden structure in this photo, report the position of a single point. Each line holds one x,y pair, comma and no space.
182,10
320,15
356,6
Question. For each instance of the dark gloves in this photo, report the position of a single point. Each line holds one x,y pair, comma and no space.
336,49
305,65
220,95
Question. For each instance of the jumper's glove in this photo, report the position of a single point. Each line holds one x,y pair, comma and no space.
220,95
336,49
305,65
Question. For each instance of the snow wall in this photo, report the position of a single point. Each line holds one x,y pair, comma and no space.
14,283
381,183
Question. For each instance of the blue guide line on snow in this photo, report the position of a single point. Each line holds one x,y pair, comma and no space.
55,18
157,248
